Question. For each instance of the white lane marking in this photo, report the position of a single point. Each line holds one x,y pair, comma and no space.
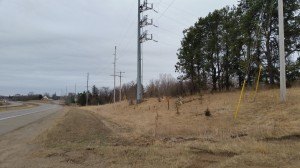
5,118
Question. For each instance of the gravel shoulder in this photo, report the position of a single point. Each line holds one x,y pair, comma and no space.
16,146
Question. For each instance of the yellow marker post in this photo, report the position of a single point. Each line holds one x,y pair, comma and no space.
241,97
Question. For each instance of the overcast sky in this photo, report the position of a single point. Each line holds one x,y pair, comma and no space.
48,45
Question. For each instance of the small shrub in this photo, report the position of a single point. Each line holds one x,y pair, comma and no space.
159,99
130,102
207,113
178,105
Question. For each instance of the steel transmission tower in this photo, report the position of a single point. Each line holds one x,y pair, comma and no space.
282,52
142,37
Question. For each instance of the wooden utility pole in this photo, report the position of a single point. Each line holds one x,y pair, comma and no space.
120,94
87,90
75,96
115,54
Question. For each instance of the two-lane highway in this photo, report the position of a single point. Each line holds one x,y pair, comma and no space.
11,120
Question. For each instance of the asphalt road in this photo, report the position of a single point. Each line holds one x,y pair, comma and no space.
11,120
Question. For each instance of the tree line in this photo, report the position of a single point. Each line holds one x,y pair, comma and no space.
229,45
104,95
221,50
165,85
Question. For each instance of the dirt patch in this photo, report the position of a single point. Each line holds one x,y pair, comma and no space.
85,130
76,127
73,157
293,137
205,151
178,139
205,158
239,135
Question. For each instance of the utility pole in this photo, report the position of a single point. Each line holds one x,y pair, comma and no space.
114,75
75,96
142,37
67,96
120,94
87,89
282,52
139,57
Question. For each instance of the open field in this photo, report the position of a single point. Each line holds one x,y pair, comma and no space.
26,105
265,134
2,103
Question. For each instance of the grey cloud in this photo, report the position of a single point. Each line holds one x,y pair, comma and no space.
48,45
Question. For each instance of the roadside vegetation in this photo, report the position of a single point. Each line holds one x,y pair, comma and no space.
265,134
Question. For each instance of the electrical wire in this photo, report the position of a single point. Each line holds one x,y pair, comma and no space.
181,10
166,9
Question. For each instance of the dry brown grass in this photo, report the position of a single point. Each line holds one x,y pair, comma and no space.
76,126
24,106
265,134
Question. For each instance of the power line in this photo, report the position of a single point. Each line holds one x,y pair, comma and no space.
159,2
176,21
168,17
127,44
166,9
170,32
124,32
181,10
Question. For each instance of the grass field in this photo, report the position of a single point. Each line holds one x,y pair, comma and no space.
23,106
266,133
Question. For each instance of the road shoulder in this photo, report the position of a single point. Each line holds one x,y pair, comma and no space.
17,146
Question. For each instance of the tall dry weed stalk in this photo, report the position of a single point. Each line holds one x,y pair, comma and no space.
156,125
168,100
178,105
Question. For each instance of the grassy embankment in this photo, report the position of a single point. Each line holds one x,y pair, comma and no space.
265,134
